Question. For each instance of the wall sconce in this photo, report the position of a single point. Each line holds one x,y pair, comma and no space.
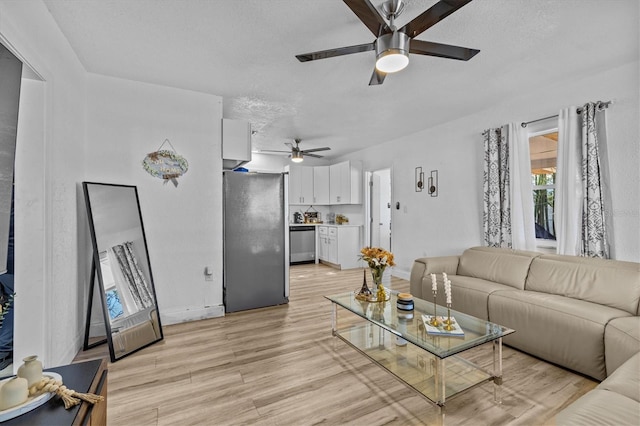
419,179
433,183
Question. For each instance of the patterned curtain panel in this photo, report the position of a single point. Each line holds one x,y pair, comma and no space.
594,233
133,275
496,215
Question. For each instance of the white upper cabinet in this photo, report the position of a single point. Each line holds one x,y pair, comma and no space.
321,185
236,143
300,185
345,183
326,185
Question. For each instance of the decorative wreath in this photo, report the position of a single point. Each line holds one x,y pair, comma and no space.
165,164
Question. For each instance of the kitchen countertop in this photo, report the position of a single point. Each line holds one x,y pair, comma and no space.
322,224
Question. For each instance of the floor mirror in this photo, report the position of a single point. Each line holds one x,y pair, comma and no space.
123,270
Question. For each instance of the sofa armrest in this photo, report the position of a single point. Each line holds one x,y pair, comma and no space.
425,266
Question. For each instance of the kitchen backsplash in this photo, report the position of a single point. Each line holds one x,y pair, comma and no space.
352,212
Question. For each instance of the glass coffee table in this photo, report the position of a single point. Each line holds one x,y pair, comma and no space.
432,364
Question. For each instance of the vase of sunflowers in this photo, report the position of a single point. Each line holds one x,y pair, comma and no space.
377,259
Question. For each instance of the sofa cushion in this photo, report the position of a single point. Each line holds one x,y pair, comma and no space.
600,407
625,380
606,282
469,295
561,330
621,341
504,266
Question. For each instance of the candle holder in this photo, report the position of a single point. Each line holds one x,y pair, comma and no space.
448,324
434,319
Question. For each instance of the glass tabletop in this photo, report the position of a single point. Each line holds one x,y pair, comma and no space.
410,326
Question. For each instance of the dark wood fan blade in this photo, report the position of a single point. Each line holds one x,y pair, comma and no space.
377,77
369,16
420,47
340,51
305,151
432,16
313,155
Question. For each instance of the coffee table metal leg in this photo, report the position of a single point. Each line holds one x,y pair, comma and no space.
442,416
497,370
334,313
440,381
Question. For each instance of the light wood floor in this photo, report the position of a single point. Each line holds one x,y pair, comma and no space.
281,366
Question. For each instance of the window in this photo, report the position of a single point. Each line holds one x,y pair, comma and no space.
543,148
114,305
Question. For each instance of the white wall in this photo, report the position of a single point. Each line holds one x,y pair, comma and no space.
72,130
49,162
426,226
126,120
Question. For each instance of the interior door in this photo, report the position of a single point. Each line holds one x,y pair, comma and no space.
385,209
375,210
381,209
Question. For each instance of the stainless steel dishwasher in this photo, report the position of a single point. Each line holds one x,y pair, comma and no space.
302,244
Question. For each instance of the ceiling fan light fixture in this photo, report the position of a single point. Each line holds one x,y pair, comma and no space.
392,52
296,157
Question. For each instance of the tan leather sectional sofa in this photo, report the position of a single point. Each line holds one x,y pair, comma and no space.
580,313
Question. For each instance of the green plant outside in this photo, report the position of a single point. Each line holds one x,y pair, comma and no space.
543,203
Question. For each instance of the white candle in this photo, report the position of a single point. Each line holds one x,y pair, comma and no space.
434,283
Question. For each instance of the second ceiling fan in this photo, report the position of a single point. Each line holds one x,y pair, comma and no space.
297,154
392,44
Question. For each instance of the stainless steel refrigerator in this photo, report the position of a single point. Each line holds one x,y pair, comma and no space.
256,240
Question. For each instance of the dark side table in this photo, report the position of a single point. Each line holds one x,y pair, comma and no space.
84,377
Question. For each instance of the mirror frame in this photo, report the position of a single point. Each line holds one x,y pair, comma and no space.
97,272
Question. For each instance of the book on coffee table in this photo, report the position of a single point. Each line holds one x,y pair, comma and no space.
440,330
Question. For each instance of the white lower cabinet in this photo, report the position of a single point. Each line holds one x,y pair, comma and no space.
339,246
323,243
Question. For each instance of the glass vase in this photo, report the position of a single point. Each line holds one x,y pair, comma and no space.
378,289
376,275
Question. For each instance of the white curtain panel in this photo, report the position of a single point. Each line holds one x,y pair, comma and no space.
523,233
568,194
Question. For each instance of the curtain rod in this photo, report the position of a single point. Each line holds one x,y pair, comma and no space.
601,106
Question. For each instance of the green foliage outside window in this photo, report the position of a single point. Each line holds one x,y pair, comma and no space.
543,205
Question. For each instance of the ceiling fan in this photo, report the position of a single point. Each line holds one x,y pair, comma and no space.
392,44
297,154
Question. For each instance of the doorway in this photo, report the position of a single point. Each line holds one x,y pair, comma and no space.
379,211
10,83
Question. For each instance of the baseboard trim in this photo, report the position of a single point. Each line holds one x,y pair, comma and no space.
400,273
171,317
179,316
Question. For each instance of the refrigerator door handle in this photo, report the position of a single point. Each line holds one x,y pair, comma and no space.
286,236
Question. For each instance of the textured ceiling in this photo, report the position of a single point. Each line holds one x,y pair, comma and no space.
244,50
